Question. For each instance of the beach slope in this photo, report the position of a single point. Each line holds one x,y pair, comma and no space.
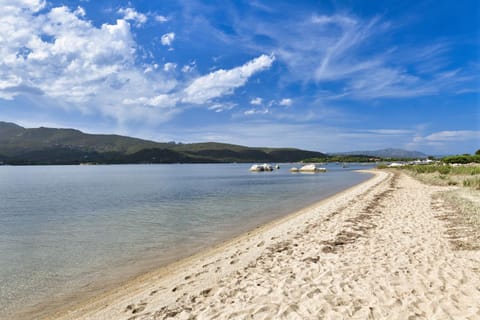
378,250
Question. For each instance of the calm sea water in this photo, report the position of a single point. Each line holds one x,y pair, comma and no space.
74,229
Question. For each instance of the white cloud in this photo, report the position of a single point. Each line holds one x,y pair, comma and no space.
220,107
204,89
62,54
256,101
130,14
388,132
189,67
169,66
457,141
335,19
167,38
254,111
161,19
150,68
61,59
344,49
224,82
161,100
286,102
79,12
17,5
457,135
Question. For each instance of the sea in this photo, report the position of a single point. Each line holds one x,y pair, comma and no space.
69,232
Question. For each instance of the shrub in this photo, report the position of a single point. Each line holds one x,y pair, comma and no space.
444,169
472,183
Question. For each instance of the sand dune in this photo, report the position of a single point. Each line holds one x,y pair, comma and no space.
376,251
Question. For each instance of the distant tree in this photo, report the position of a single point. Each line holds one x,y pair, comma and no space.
477,152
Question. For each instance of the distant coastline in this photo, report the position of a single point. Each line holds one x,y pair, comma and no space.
52,146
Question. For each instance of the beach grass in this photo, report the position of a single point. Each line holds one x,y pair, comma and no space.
462,217
446,175
462,201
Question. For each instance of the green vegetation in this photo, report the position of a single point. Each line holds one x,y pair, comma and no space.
444,169
462,217
473,183
389,153
461,210
20,146
340,158
466,158
447,175
461,170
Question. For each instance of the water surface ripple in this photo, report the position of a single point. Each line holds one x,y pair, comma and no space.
66,229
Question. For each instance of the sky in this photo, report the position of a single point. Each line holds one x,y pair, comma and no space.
328,76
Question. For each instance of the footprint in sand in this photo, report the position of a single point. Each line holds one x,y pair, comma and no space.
206,292
136,309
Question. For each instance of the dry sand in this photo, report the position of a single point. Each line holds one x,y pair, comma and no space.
376,251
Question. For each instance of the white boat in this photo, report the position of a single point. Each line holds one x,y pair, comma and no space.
294,169
312,168
261,167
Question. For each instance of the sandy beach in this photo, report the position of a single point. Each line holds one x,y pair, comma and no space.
379,250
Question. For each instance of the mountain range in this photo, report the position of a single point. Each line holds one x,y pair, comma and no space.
24,146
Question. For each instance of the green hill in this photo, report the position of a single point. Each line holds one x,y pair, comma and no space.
20,145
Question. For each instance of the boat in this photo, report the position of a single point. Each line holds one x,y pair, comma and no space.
294,169
261,167
312,168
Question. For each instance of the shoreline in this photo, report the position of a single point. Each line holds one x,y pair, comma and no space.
63,306
377,249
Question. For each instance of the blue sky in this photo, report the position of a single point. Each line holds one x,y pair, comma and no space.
329,76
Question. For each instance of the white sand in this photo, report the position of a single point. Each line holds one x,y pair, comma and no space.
375,251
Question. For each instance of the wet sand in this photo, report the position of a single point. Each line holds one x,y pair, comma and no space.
376,250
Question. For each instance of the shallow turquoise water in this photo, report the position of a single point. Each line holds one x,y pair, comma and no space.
67,229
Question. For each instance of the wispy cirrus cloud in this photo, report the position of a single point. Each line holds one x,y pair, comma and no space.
340,52
445,140
454,135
